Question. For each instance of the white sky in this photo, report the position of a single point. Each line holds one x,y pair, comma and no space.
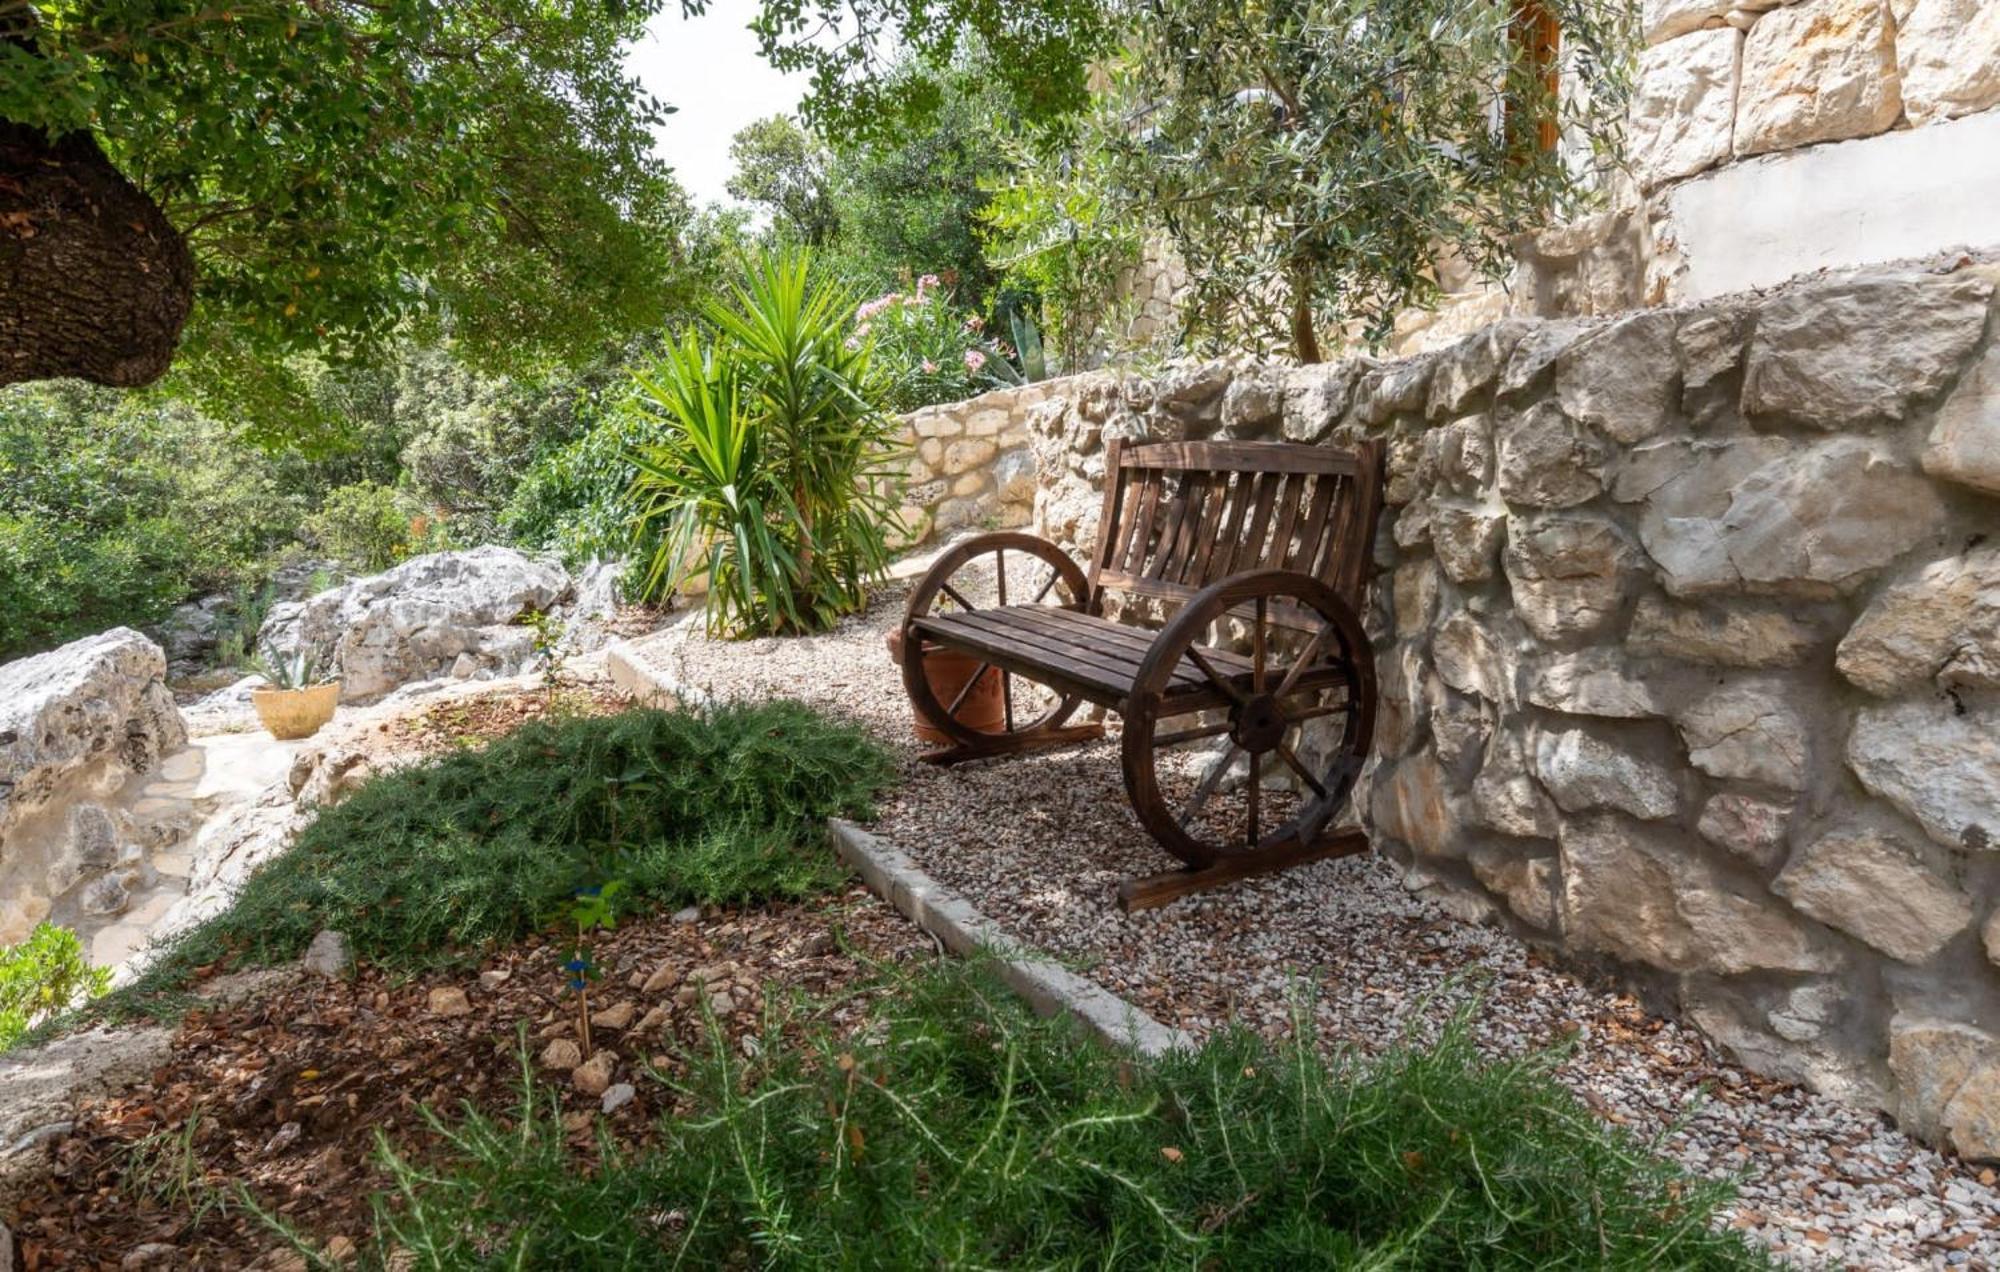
709,67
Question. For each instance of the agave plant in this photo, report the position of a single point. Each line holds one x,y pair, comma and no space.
774,479
303,670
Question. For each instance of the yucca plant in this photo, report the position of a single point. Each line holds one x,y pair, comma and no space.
774,477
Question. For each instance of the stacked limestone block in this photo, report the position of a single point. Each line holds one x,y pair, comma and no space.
1689,643
969,465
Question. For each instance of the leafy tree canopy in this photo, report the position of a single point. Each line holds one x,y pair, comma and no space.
789,173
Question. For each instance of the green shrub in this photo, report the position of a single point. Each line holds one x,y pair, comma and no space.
366,526
43,977
483,846
961,1132
772,480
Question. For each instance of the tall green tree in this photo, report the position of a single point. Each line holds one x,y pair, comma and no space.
785,170
1316,160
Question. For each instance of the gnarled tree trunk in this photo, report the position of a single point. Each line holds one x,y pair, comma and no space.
94,282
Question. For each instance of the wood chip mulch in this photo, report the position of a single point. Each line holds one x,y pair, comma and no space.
469,722
285,1096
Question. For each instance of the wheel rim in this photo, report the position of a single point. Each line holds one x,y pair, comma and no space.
993,570
1272,765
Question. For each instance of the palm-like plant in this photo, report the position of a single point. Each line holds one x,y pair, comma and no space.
774,478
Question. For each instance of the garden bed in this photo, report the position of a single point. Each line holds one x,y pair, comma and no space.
1039,844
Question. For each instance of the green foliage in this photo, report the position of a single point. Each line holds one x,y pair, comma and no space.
301,671
1316,161
113,509
42,977
771,481
927,348
959,1131
784,169
1054,233
366,527
483,846
341,171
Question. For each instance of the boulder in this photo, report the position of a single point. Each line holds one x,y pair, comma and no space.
1570,572
1823,70
1861,351
1466,539
1965,442
1939,762
1469,368
1548,460
1411,805
1639,893
1949,55
1585,773
1875,888
1594,682
1745,634
1534,358
1750,732
1934,1060
1506,799
1622,379
412,622
1462,455
1683,111
1940,624
1315,397
1472,659
1759,514
1530,885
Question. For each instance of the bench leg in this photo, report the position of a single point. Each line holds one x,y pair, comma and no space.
1143,893
990,745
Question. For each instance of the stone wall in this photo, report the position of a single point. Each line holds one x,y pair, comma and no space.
1688,633
969,465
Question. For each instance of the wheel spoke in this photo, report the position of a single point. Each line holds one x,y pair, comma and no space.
966,691
1000,574
1055,577
953,593
1190,735
1208,784
1250,798
1305,660
1007,697
1215,678
1315,713
1257,650
1286,754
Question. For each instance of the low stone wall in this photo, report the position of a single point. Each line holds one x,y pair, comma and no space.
969,464
1688,634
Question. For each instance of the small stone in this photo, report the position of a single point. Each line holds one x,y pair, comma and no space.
448,1000
617,1096
720,1002
687,914
339,1249
150,1254
616,1016
664,977
562,1055
494,978
329,954
105,897
593,1076
654,1019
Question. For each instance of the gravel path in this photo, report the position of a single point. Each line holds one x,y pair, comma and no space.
1040,842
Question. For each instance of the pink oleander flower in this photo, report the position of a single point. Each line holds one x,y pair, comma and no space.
927,282
929,366
975,323
974,360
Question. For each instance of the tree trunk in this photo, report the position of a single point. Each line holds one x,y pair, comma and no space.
1305,340
94,282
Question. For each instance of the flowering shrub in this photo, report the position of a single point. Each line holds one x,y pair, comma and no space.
930,350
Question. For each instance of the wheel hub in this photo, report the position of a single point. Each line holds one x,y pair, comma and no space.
1259,724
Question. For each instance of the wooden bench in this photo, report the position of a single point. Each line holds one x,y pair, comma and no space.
1247,715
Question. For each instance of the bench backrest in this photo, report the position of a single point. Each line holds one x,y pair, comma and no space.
1181,515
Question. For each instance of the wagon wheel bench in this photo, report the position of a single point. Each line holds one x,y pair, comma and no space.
1248,714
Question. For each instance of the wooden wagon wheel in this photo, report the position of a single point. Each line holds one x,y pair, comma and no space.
975,575
1308,661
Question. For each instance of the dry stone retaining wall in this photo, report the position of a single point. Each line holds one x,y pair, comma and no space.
969,464
1688,631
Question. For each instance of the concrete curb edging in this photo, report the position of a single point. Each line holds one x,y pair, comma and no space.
1045,985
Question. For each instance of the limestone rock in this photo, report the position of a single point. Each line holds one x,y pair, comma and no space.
1583,772
1530,884
1949,55
1710,344
412,622
1470,367
105,897
1638,893
1938,763
1751,828
1972,1119
448,1000
1472,659
1315,397
1750,732
1467,540
1873,887
1859,351
1769,1049
1569,571
1459,729
1414,594
1462,454
1251,404
1506,799
562,1055
1547,460
1683,112
1412,806
1932,1059
593,1076
1534,358
617,1096
1942,624
1823,70
1594,682
1743,635
329,955
1965,442
1760,514
1662,20
1622,379
1391,389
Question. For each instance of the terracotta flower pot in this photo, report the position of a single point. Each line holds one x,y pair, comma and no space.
289,714
948,670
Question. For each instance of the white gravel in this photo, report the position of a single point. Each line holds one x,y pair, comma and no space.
1040,842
